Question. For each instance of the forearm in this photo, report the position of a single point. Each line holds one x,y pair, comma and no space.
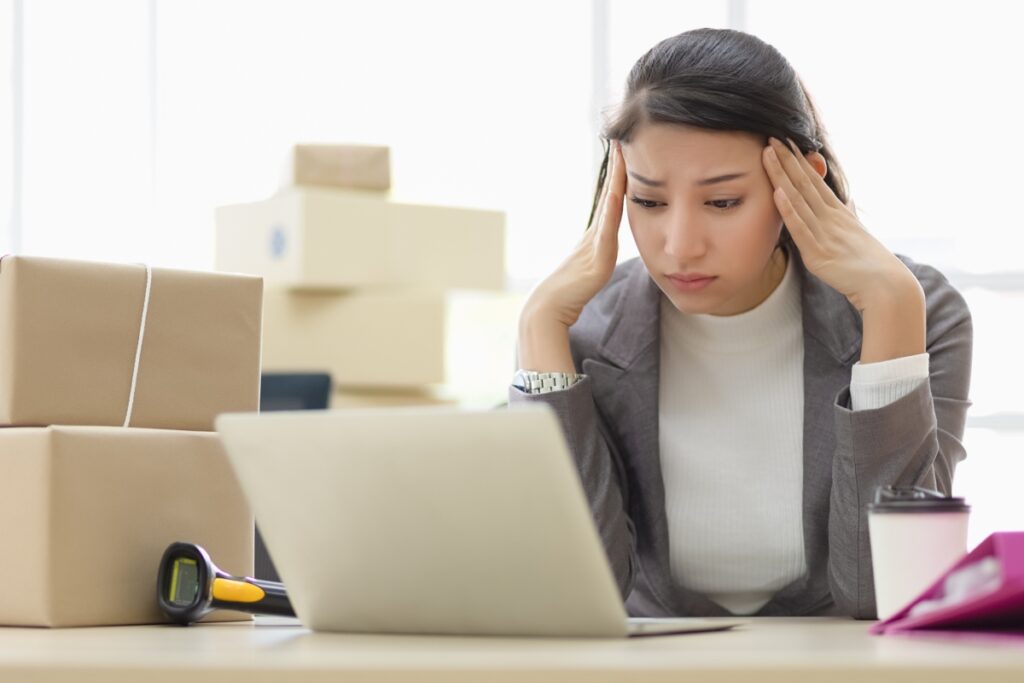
544,343
893,320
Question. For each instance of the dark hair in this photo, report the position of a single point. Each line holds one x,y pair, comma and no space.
720,79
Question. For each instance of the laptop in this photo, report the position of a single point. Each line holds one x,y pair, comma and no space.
432,521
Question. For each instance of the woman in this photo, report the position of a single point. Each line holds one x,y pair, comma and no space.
734,397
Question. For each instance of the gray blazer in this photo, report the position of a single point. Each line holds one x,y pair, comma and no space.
610,419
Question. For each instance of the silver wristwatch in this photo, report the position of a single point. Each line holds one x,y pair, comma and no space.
530,382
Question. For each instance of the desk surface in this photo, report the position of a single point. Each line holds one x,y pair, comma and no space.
793,649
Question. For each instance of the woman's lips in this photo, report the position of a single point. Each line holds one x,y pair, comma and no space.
692,282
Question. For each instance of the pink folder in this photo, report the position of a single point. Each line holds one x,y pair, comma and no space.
995,612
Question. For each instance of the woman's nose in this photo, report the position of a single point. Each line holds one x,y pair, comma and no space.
684,240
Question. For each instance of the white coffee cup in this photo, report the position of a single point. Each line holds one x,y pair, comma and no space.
916,536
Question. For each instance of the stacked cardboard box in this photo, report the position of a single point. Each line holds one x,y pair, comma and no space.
366,167
356,280
110,379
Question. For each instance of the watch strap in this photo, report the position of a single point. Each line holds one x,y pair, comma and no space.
531,382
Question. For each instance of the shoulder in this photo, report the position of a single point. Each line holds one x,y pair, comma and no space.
604,309
946,307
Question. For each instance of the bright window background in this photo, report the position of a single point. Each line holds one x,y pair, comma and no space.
139,117
7,160
87,172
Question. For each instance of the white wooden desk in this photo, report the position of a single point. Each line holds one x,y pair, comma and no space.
823,650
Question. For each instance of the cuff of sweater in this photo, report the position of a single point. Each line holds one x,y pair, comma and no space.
876,385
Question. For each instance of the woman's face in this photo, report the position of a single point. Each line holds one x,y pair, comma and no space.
700,204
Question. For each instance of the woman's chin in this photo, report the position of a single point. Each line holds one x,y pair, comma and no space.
690,304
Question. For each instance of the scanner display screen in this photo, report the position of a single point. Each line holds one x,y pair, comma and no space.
184,582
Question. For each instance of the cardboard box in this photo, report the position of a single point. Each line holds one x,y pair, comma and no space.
351,398
338,239
366,167
69,333
363,339
87,512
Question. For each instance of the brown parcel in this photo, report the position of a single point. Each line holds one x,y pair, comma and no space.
343,397
87,512
69,331
364,338
331,239
364,167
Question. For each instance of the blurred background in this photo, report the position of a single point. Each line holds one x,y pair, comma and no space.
125,123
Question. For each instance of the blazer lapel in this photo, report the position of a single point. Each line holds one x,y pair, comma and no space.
832,340
625,377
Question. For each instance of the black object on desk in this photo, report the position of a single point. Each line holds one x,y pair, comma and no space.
189,586
294,391
288,391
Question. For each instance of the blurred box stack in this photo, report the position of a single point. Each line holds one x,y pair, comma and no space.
110,379
357,282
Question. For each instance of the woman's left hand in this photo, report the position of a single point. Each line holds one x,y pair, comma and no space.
833,243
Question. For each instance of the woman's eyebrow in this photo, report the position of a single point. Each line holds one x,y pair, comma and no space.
699,183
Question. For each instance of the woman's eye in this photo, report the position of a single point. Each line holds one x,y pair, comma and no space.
721,204
725,204
646,203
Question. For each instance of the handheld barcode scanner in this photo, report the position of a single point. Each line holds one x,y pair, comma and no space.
190,586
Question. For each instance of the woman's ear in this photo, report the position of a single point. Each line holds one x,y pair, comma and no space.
817,161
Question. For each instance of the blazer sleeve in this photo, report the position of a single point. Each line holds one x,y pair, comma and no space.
916,440
601,472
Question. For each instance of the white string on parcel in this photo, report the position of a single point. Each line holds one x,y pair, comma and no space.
138,347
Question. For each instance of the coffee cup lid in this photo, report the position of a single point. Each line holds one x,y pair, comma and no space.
915,499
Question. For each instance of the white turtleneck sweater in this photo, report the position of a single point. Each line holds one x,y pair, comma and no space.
731,408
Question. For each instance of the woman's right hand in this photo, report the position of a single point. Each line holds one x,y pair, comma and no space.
556,303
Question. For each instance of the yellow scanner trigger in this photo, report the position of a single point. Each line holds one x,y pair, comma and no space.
227,590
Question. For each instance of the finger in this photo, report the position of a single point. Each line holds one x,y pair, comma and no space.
819,184
805,239
782,182
612,216
798,177
804,177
